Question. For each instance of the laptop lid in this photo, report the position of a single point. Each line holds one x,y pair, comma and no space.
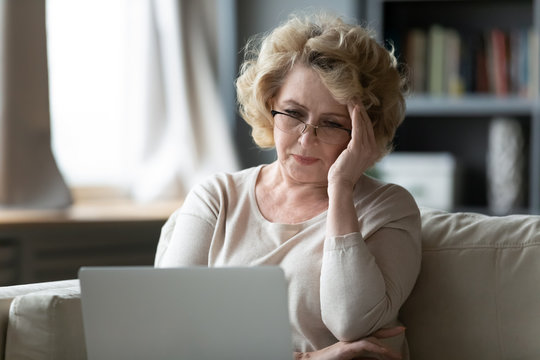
193,313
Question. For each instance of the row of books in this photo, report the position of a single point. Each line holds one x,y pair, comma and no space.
443,61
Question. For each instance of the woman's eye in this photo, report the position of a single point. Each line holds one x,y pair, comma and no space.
293,113
332,124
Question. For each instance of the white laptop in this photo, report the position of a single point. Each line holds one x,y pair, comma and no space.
195,313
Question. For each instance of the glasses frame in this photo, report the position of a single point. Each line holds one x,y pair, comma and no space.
315,127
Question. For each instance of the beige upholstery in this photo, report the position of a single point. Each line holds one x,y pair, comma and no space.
31,317
46,324
478,293
477,297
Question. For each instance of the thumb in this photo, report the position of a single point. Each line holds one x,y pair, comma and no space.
388,332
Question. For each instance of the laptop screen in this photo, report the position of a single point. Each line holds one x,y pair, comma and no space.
194,313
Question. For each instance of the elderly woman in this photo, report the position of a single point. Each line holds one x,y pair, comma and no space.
329,98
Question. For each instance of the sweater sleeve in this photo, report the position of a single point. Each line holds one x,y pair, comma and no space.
365,281
186,236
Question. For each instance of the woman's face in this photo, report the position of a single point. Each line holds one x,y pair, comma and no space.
303,158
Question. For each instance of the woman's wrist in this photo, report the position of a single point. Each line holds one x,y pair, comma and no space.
301,356
340,188
342,218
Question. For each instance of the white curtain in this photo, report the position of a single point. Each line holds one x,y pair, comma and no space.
176,130
178,126
29,176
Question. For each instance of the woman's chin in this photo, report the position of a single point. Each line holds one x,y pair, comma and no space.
304,175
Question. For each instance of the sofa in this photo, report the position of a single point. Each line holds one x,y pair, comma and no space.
477,297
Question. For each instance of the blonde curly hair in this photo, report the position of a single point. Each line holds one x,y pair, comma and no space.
350,62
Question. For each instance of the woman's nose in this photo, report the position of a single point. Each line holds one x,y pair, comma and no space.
308,135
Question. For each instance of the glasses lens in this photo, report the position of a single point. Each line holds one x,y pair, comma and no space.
292,125
332,135
288,124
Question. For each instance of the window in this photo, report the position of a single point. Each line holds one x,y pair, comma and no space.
87,56
123,113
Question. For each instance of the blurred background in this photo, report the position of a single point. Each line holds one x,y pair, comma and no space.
112,109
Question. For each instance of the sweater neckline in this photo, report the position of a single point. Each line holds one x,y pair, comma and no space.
257,211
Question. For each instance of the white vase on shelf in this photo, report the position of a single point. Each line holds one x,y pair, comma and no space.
505,165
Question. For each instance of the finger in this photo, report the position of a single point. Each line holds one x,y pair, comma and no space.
373,340
368,130
386,352
388,332
351,108
370,142
370,346
361,123
356,121
359,132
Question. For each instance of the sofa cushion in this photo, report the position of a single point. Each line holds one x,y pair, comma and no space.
8,293
46,324
478,292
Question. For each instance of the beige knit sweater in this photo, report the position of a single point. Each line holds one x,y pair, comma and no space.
340,288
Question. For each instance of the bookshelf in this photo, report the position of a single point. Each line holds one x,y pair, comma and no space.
470,105
471,61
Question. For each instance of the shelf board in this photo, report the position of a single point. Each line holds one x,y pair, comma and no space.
469,105
99,211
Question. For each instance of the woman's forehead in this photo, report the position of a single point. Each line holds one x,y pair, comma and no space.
303,87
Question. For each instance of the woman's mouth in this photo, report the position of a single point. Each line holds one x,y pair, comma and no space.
305,160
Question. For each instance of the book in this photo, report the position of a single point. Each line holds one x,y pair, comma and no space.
453,81
498,60
442,62
435,60
533,67
415,55
517,62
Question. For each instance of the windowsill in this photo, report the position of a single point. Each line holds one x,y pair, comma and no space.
93,206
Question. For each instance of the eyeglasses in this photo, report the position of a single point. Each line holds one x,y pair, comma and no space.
330,134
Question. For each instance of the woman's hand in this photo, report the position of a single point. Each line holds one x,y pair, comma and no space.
367,348
360,153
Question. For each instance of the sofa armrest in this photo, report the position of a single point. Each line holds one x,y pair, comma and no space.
478,293
18,297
